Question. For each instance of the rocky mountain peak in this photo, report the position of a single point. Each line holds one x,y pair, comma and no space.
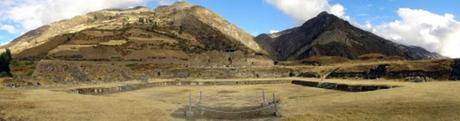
327,21
181,4
175,7
325,16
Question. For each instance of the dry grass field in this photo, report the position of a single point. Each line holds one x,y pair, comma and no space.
430,101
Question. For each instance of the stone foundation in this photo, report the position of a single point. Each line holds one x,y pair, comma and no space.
341,87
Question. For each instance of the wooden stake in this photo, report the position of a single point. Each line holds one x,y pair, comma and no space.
189,111
199,101
275,106
263,98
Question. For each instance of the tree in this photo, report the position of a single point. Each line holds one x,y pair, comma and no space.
141,20
5,60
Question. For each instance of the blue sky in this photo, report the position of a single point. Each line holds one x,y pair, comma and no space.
386,10
388,18
257,16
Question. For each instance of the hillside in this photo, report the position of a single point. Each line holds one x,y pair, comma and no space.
180,32
328,35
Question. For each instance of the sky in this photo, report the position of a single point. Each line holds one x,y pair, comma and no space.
431,24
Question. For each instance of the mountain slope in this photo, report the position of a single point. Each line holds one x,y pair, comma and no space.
328,35
175,31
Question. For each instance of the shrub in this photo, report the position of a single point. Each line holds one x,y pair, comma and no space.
5,60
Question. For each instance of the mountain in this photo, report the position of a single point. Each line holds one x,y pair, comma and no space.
185,32
328,35
180,31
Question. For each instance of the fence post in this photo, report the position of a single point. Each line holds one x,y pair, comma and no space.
263,98
275,106
189,112
200,98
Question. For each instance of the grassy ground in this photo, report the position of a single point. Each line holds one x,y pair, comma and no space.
432,101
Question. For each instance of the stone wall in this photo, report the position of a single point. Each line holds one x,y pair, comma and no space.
130,87
381,71
111,71
341,87
421,74
455,74
76,72
228,59
369,72
253,72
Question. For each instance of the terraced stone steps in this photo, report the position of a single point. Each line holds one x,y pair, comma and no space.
324,85
131,87
342,87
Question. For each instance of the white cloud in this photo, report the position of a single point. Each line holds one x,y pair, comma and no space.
437,33
167,2
368,26
19,16
303,10
8,28
30,14
273,31
337,10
